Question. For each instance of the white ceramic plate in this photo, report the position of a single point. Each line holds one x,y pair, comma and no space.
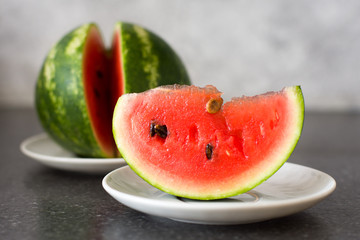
43,149
292,189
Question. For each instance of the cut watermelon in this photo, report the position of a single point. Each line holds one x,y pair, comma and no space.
182,141
81,80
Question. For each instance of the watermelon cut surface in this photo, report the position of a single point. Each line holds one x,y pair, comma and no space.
175,140
99,91
80,82
67,92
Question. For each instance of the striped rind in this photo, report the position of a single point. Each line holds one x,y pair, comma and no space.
147,60
60,97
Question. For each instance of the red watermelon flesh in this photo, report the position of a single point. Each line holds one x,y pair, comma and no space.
117,69
80,82
97,86
206,155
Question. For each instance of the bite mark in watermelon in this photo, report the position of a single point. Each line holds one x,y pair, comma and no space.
207,155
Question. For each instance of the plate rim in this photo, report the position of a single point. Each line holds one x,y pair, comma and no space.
69,162
49,158
313,198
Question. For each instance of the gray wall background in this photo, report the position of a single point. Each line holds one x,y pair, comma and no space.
242,47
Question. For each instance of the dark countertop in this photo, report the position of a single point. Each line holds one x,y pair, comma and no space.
37,202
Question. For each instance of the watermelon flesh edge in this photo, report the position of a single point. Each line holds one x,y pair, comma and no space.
98,91
252,137
117,71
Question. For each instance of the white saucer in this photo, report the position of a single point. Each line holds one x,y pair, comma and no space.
43,149
292,189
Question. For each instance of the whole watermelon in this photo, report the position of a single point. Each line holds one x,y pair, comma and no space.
80,82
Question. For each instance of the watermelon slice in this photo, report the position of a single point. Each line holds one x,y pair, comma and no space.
182,140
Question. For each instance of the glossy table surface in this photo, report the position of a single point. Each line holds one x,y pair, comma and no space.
37,202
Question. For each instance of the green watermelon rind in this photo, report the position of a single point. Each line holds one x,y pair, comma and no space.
154,62
298,108
60,103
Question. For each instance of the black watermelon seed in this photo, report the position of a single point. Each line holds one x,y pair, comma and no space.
152,129
97,93
157,129
99,74
209,151
161,130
